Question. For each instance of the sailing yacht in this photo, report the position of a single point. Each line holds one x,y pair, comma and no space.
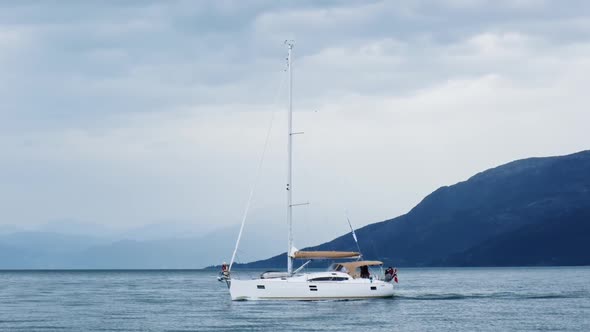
345,280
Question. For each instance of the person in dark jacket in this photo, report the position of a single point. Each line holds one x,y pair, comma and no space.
365,272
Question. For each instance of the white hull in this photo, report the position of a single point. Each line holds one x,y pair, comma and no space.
302,287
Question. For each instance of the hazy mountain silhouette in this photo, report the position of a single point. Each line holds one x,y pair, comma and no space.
529,212
142,250
533,211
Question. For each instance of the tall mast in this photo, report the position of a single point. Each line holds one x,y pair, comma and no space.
290,161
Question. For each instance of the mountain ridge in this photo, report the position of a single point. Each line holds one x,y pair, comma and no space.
534,211
466,223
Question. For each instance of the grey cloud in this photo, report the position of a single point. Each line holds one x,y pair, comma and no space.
140,102
85,59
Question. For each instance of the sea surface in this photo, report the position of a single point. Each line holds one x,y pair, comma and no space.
445,299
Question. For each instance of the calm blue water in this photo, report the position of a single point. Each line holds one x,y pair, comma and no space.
457,299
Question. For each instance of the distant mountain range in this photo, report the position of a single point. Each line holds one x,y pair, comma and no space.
529,212
64,245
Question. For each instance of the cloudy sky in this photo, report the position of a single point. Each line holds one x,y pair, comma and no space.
126,113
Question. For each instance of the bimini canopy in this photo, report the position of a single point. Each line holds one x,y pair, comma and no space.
351,266
325,254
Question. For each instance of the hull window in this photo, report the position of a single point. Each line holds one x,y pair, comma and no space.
329,279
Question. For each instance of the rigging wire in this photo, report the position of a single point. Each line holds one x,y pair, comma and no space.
354,236
256,178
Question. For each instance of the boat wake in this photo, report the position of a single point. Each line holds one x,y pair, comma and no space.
495,295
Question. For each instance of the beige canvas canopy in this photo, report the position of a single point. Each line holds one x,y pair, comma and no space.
351,267
325,254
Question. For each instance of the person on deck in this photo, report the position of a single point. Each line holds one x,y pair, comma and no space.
365,272
224,269
389,274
